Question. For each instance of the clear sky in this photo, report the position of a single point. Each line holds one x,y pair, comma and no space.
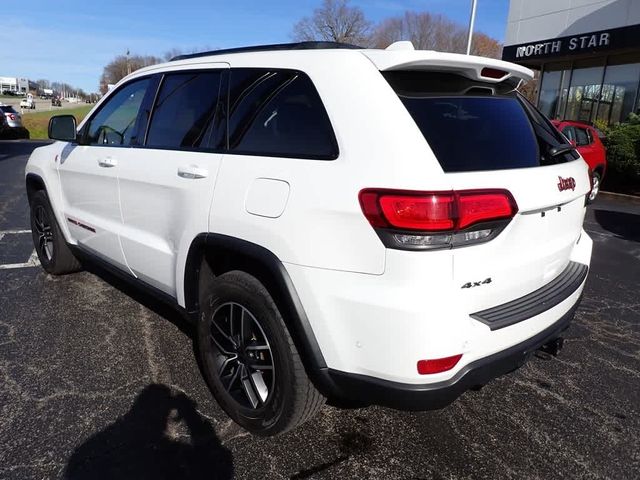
71,41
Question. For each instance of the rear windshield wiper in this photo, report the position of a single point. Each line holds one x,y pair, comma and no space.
560,149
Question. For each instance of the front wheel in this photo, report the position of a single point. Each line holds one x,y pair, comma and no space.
50,245
249,359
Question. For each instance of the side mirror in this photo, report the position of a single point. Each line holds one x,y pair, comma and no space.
62,127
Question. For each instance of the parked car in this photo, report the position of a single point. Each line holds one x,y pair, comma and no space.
28,102
13,123
339,223
587,140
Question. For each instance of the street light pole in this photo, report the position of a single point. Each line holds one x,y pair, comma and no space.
472,20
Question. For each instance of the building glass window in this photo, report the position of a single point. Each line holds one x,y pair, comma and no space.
555,80
619,89
584,91
548,102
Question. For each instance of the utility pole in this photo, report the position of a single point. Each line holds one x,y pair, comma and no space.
472,20
128,65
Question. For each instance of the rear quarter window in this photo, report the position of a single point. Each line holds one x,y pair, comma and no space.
278,113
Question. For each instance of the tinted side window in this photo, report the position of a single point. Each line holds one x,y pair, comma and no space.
278,113
569,133
185,110
115,122
582,137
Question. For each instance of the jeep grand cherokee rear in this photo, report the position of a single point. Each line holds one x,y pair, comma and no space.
477,275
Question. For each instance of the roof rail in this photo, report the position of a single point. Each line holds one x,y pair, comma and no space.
267,48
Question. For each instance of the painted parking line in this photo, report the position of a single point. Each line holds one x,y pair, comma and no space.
32,261
9,232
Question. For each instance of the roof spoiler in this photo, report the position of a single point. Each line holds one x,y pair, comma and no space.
477,68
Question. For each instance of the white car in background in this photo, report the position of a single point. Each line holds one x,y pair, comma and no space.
385,227
28,102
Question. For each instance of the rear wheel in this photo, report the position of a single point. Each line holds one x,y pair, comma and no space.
52,249
595,188
250,361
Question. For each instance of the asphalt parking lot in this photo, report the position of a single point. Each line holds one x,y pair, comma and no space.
100,382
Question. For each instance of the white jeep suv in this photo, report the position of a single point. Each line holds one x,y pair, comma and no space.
386,227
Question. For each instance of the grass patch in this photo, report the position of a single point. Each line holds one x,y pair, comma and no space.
38,122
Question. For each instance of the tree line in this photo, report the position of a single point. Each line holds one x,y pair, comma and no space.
339,21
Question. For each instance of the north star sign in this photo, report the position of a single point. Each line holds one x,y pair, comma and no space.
612,39
574,43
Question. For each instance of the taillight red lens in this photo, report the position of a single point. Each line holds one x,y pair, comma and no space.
438,365
478,207
435,211
12,116
431,212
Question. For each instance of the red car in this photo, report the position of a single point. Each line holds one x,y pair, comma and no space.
587,140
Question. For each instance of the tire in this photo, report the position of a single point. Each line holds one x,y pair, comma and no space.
596,180
50,245
257,377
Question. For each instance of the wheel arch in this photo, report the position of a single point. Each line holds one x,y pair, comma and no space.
34,183
600,169
211,255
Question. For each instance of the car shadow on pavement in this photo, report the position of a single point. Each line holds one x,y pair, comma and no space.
624,225
161,436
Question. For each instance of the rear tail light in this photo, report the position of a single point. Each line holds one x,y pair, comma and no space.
11,116
428,220
438,365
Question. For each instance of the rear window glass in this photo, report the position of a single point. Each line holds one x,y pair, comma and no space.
582,137
472,125
7,109
475,133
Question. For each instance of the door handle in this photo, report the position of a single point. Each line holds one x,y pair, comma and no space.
192,172
107,162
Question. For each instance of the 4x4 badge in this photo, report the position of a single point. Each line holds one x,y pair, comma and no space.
566,183
476,284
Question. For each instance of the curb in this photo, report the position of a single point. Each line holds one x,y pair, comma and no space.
621,196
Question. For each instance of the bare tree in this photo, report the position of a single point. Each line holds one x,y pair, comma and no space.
432,32
334,21
43,83
174,52
122,65
485,46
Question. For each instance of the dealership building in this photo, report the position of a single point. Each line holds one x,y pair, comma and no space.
14,84
587,52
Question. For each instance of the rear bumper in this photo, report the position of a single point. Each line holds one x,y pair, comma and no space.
437,395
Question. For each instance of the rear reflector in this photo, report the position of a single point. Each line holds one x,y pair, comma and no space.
438,365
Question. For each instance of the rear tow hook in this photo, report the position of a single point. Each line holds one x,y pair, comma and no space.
553,347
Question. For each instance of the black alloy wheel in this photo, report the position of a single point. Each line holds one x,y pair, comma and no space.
243,355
